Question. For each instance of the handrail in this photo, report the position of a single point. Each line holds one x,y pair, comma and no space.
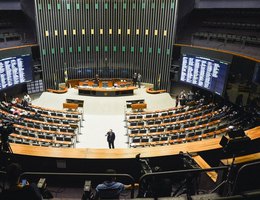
238,174
185,171
87,175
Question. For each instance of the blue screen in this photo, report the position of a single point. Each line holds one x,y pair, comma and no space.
204,72
15,70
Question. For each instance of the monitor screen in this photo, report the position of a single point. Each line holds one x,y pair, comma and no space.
15,70
204,72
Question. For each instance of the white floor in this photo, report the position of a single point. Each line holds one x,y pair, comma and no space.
103,113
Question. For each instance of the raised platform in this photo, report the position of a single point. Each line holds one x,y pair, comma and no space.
108,91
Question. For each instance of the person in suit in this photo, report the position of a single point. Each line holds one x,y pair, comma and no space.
135,79
111,138
139,79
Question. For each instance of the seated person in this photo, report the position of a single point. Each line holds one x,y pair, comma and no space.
17,189
110,189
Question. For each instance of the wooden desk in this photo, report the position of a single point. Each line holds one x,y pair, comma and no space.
242,159
138,106
120,153
77,101
70,106
110,91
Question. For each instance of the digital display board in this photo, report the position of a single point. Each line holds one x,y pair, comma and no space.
15,70
204,72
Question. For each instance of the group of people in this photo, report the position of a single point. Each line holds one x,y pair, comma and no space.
137,78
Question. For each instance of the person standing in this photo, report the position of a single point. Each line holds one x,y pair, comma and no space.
110,139
139,79
135,79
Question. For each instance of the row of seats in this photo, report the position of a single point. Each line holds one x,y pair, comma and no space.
166,112
232,25
243,39
175,138
169,125
175,118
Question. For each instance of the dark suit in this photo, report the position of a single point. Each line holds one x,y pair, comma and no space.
110,139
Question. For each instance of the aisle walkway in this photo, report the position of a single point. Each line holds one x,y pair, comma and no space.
103,113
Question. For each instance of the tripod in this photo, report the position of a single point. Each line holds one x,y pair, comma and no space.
228,181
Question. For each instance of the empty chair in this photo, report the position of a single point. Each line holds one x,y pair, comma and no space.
70,130
68,115
50,120
181,118
185,125
142,130
67,139
177,127
59,138
198,133
150,122
65,122
74,116
134,131
38,126
53,128
132,117
63,130
164,138
164,114
169,128
136,140
174,137
155,115
49,137
182,136
166,121
191,134
31,125
158,122
211,129
206,131
160,129
60,114
45,112
170,113
153,130
155,139
192,124
173,119
53,114
148,116
57,121
144,139
47,128
139,117
141,123
24,133
31,135
41,136
133,123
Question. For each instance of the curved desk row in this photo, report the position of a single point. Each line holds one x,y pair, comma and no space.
87,153
110,91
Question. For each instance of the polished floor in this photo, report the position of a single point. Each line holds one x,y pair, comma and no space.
104,113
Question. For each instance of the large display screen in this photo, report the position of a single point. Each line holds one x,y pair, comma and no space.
15,70
204,72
